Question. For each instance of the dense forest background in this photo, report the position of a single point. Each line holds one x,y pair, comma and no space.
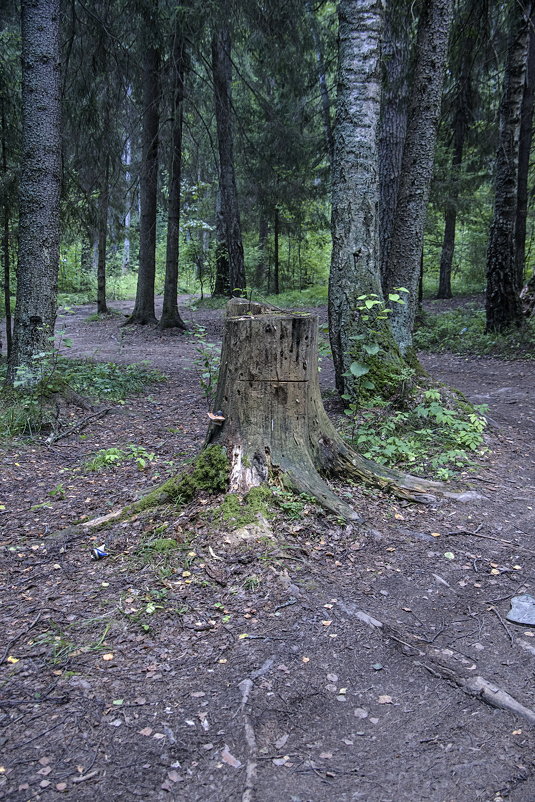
198,142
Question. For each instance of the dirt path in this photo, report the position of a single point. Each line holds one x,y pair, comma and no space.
121,678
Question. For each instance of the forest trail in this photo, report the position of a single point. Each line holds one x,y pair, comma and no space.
127,678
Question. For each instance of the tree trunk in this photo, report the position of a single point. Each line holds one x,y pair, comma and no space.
417,167
148,188
524,151
275,426
5,239
222,268
276,252
128,213
322,81
40,184
261,266
103,204
355,186
503,308
222,76
170,315
395,52
460,127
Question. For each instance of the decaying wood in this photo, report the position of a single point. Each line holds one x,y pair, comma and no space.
275,425
449,665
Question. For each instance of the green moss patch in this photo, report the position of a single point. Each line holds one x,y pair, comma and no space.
209,473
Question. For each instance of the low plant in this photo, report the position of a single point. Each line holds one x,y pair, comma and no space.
110,457
437,436
206,363
28,408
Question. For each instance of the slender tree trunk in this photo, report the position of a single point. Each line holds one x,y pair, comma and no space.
128,214
524,151
395,54
5,240
276,252
355,183
40,184
222,76
460,128
403,267
170,315
503,307
261,267
148,188
103,207
322,82
222,269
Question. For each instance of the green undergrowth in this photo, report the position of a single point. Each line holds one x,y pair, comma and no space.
31,409
462,331
110,457
439,434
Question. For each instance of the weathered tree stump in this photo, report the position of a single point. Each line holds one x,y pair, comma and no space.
274,425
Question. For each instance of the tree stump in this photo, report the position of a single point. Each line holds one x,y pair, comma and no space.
271,417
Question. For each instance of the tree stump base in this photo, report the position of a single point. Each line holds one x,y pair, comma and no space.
272,420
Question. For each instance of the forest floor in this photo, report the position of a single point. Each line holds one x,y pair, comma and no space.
126,678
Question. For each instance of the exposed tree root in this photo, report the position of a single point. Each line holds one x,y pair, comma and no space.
449,665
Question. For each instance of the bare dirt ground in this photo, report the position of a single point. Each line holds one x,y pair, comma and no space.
214,673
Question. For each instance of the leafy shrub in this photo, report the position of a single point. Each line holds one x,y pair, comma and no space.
436,436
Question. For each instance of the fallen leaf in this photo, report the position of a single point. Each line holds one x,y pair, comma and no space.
399,517
243,635
326,623
449,555
109,656
230,759
146,731
12,659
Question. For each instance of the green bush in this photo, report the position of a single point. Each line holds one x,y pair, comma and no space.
438,436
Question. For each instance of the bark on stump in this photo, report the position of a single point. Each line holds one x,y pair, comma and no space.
275,426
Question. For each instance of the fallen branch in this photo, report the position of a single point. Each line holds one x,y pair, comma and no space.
53,438
449,665
491,537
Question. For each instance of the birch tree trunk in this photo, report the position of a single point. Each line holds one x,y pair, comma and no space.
40,184
355,181
222,76
503,307
403,267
